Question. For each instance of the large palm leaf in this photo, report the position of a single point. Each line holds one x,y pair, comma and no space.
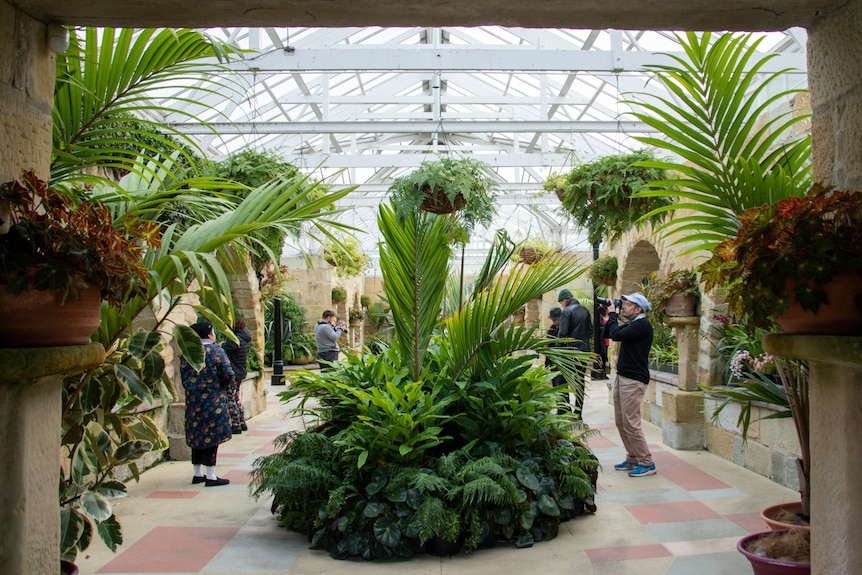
103,107
731,158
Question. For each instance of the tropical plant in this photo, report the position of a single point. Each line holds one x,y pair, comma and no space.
98,86
346,256
54,244
102,103
448,421
365,301
447,185
300,346
733,157
790,249
355,314
599,195
603,272
664,349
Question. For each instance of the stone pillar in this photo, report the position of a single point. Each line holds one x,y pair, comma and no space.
30,404
687,343
835,395
682,425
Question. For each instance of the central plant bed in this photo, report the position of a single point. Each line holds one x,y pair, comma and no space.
438,442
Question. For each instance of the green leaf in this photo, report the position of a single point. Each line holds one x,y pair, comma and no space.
527,479
112,489
548,506
525,539
110,532
153,368
95,505
190,346
387,532
132,451
71,529
373,509
143,342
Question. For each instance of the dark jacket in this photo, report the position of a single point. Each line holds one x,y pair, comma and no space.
207,418
238,353
635,339
575,323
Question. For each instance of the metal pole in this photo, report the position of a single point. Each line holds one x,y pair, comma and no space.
277,365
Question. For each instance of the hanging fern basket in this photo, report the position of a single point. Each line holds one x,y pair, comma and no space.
437,202
529,255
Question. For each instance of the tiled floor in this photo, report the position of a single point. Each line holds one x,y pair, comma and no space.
685,520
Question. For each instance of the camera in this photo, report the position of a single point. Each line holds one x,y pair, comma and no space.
617,303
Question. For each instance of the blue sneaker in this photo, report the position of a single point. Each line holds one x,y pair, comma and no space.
643,470
625,466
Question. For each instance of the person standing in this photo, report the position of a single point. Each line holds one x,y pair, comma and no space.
575,323
207,418
326,334
238,355
632,377
554,331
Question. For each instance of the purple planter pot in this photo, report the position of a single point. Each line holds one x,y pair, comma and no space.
767,566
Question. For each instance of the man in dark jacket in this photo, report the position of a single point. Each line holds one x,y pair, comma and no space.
238,355
631,381
575,323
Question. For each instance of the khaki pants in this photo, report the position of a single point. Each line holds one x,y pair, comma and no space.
628,395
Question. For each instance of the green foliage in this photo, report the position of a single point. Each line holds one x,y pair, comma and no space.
365,301
604,271
297,342
599,195
733,158
678,282
789,249
339,294
346,256
254,168
53,244
449,431
664,349
463,184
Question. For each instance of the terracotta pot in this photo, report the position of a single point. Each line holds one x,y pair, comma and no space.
37,318
680,305
836,316
767,566
770,514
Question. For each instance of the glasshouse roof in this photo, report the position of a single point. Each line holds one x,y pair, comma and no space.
361,106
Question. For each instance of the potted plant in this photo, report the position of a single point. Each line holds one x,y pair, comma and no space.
677,295
56,252
796,261
447,185
355,316
534,249
365,301
603,272
339,294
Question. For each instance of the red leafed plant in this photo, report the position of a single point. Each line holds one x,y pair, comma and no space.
803,242
52,242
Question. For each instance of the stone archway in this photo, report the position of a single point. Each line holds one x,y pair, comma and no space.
637,265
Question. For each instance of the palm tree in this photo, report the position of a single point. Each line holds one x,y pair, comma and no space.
713,118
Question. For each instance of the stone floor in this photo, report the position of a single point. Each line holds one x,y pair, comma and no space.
685,520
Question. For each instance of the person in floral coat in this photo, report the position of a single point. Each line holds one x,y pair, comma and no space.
207,416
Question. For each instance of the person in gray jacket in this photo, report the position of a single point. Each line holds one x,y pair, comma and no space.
326,334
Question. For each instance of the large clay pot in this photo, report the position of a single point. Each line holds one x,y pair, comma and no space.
680,305
836,316
767,566
770,515
37,318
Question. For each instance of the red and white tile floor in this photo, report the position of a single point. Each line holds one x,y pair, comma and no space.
685,520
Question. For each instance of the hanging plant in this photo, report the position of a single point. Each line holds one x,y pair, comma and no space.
346,256
598,195
604,271
339,294
445,186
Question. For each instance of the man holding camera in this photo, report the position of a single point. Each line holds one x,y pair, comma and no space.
632,378
326,334
575,323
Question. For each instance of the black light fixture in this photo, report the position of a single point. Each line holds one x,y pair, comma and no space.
277,364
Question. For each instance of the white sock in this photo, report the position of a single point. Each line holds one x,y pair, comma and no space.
199,469
211,472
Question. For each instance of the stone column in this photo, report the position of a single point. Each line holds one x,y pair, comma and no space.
30,404
687,344
835,395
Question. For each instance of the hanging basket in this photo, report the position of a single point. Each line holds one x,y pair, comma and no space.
37,318
437,202
530,255
561,194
